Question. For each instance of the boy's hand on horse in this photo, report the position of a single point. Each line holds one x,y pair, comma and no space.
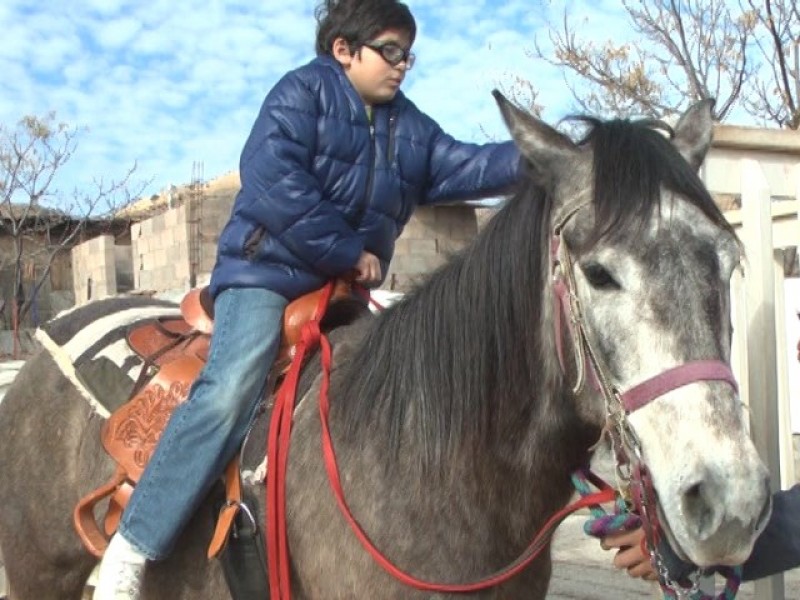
630,555
368,269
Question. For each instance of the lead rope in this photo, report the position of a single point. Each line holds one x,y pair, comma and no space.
603,523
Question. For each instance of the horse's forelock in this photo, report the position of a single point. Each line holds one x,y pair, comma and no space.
632,162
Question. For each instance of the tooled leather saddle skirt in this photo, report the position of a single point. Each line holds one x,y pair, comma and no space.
174,350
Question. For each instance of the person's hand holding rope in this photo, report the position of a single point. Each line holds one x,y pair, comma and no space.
630,553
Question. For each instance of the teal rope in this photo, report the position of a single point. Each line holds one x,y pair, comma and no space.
603,523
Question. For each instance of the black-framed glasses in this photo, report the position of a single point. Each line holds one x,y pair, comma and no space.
393,53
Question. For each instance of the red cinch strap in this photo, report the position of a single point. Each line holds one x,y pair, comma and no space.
671,379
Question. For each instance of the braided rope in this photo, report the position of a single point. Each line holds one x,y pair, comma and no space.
603,523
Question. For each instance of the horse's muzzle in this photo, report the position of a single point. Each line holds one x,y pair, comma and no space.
719,528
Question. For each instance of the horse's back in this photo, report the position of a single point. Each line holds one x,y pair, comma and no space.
51,455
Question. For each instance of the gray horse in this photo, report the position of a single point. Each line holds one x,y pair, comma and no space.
456,428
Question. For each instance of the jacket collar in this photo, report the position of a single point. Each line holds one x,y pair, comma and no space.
326,60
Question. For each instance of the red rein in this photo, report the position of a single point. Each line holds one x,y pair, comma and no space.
278,453
280,431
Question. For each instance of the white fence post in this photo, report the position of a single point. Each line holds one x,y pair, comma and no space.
762,362
788,478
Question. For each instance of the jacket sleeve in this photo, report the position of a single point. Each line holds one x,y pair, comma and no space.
284,196
778,548
461,171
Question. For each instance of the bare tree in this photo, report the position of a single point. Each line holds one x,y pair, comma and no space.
775,94
31,155
690,50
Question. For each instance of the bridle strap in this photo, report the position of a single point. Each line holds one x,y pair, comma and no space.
567,306
671,379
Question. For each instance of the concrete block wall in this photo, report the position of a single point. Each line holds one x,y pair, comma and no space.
124,264
432,235
94,269
213,216
160,248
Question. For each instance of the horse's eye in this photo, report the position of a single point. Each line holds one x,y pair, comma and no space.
599,277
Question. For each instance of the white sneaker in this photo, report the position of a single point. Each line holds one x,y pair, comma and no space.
121,572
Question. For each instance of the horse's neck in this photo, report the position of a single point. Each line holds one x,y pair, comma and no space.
516,488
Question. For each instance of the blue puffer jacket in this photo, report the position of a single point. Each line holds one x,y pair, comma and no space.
320,184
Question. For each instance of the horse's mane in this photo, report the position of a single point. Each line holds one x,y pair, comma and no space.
453,359
448,358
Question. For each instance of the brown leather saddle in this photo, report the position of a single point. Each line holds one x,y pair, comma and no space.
174,351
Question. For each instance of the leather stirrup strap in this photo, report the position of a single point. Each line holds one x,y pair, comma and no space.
116,506
83,515
228,512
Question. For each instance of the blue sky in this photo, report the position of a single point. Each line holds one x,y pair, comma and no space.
165,83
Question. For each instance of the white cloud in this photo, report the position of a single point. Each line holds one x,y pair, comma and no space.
106,7
117,33
167,83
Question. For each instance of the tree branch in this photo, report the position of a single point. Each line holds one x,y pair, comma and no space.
32,211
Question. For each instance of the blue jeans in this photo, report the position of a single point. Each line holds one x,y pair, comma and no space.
206,431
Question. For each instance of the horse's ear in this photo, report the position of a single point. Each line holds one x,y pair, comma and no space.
546,148
694,131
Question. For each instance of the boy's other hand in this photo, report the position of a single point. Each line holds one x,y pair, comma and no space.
630,555
368,270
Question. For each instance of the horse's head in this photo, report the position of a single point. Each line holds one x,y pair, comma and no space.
646,259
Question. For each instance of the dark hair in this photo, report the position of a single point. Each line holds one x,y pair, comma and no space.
359,21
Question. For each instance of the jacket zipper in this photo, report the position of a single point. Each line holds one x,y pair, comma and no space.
392,125
362,209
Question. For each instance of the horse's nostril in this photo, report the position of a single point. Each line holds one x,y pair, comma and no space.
694,491
698,508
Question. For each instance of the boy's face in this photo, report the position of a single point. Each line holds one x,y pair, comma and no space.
374,78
